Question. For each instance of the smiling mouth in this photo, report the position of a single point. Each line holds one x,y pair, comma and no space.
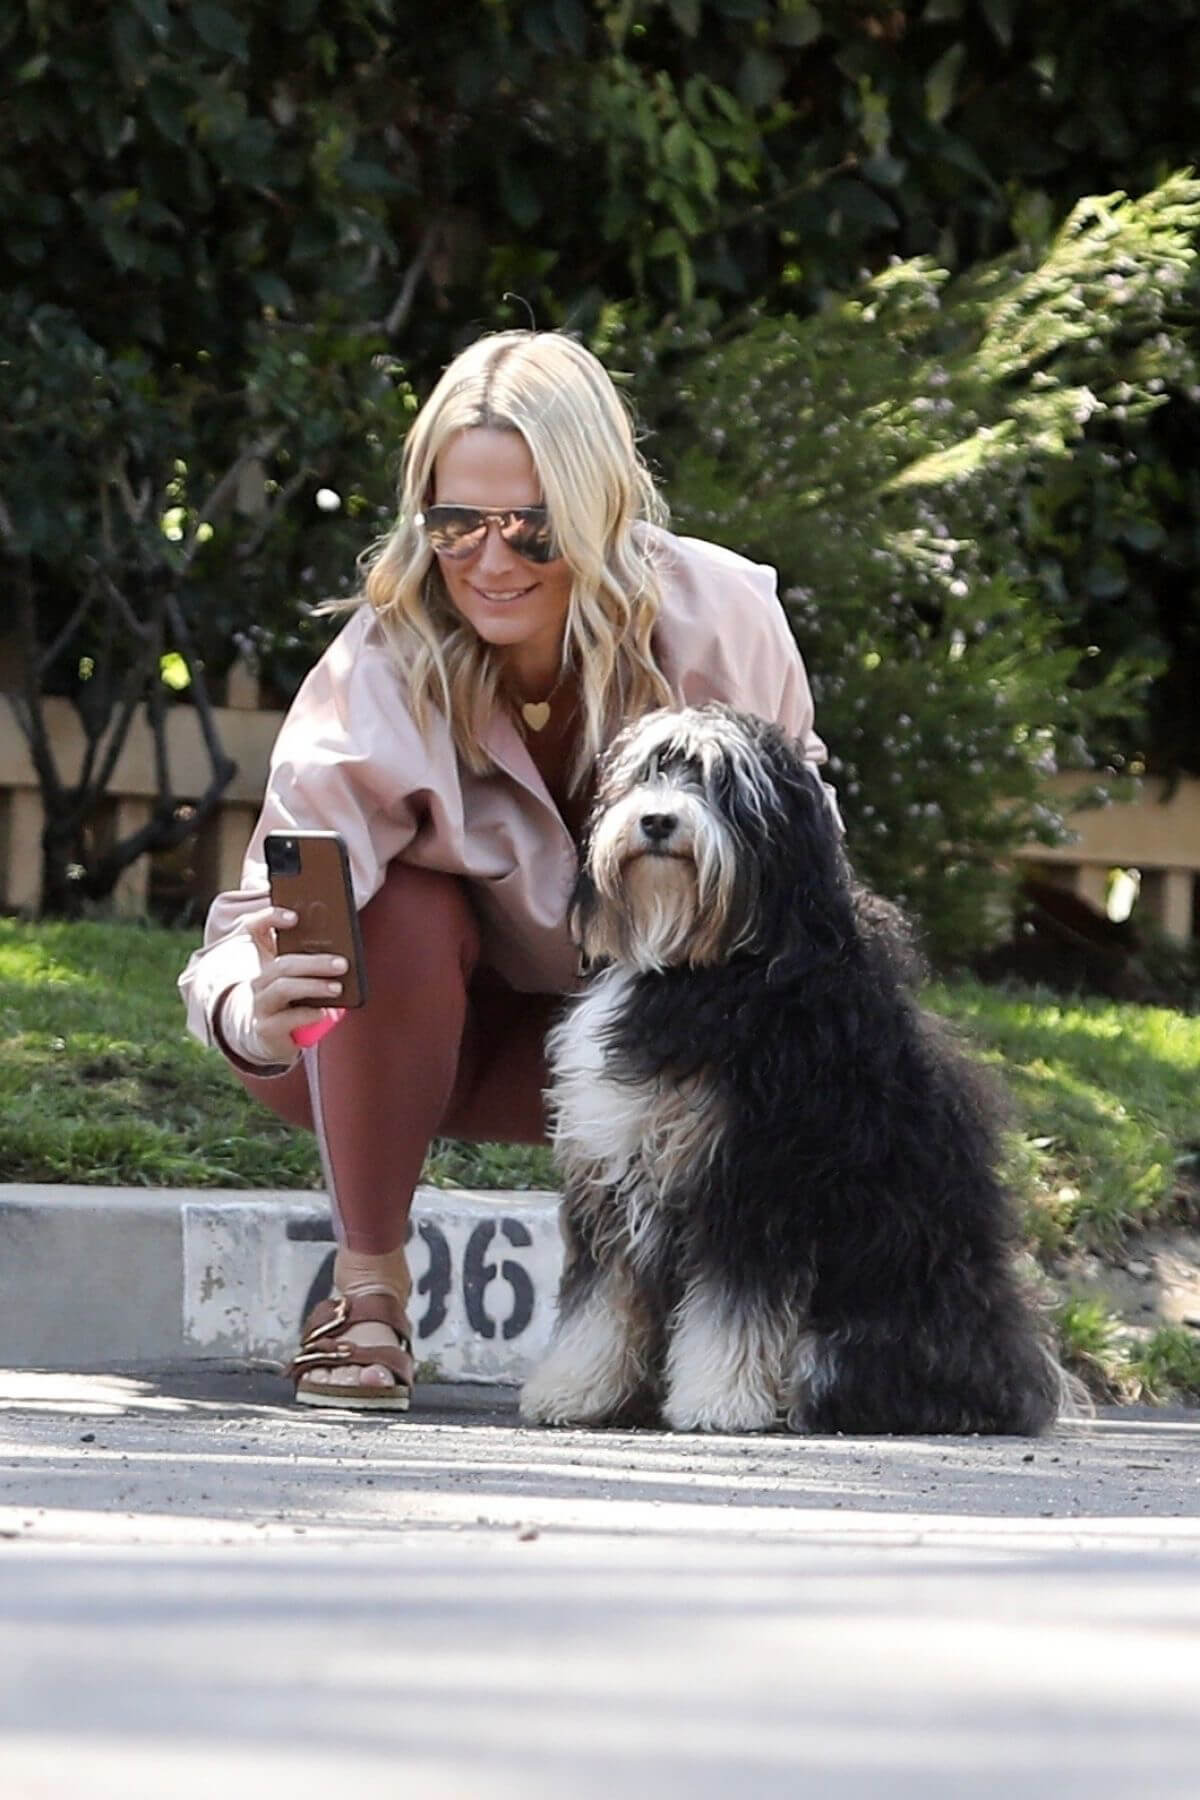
503,599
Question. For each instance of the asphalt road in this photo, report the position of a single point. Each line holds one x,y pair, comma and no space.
201,1586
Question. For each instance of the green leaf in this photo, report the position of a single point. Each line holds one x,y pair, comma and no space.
999,15
571,19
218,115
44,209
798,25
538,24
522,201
110,125
885,170
725,103
685,213
707,173
34,69
156,15
129,46
760,78
165,102
686,14
199,182
125,250
272,290
315,236
941,83
957,150
1107,579
219,29
677,148
474,76
370,178
855,200
1144,534
24,247
667,242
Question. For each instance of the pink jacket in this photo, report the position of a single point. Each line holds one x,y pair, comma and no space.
350,758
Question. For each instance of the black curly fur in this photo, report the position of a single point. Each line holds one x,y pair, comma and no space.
857,1179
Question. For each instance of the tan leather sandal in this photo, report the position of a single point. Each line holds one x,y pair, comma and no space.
321,1347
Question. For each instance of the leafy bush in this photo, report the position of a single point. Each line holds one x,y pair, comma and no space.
1113,549
886,456
146,544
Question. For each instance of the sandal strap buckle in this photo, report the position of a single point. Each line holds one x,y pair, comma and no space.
332,1325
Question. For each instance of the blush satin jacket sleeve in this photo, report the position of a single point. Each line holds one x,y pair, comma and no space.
348,758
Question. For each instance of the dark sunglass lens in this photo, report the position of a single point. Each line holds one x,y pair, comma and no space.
454,531
531,538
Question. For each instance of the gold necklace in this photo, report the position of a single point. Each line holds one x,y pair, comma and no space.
536,713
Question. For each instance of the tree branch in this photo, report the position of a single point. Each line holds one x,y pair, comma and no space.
68,631
397,316
165,828
225,485
135,505
27,706
250,546
224,767
117,599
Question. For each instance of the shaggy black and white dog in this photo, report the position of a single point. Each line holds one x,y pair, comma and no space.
780,1177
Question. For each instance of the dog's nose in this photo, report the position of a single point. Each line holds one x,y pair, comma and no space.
657,827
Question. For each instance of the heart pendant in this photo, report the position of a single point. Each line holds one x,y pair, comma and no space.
535,713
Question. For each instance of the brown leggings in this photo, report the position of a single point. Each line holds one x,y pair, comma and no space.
442,1048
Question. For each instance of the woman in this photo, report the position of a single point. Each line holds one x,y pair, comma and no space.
526,604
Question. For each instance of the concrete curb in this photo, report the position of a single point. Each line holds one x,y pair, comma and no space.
97,1278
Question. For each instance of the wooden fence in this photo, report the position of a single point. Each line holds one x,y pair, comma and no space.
1157,834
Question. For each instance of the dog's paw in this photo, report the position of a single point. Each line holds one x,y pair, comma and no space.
549,1397
731,1414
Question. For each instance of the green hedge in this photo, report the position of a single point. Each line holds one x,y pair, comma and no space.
892,456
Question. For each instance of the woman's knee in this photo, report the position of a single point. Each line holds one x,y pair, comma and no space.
422,922
421,945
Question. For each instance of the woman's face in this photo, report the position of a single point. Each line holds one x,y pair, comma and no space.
519,606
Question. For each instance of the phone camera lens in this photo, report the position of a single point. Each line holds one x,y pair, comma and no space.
283,856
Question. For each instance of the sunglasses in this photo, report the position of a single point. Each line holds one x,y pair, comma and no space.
458,531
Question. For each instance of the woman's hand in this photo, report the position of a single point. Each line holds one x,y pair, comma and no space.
258,1017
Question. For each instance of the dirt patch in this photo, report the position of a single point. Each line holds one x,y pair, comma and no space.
1156,1281
102,1068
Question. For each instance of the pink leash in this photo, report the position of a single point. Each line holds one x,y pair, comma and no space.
308,1035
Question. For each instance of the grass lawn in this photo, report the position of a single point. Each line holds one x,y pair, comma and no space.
100,1084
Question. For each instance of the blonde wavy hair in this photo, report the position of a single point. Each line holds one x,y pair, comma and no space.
596,487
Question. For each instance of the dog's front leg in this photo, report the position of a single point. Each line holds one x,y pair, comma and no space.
726,1355
597,1365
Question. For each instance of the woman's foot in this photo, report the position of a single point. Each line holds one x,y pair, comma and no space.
359,1276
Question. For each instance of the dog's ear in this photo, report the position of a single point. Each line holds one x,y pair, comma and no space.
591,923
806,895
891,936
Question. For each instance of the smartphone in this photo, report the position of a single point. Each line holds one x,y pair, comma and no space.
309,873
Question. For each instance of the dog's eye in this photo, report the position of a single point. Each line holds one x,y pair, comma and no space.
686,770
670,762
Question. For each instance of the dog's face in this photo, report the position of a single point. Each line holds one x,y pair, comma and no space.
707,832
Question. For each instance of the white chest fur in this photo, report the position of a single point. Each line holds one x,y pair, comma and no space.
615,1130
599,1121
